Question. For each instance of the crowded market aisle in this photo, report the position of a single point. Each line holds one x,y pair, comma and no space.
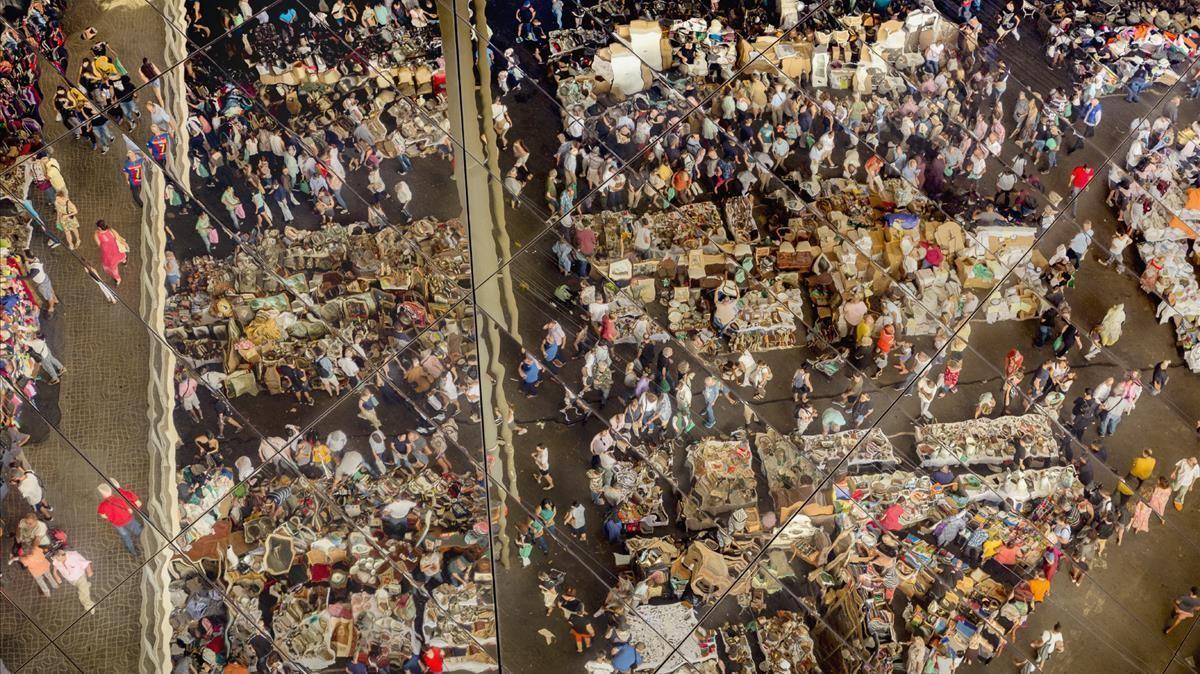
999,339
660,492
91,427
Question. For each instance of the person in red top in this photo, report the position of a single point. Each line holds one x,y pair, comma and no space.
1008,553
891,517
1080,177
432,659
117,510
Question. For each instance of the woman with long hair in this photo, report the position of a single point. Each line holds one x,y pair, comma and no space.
113,250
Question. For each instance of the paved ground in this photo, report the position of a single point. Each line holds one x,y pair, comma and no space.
99,421
1112,621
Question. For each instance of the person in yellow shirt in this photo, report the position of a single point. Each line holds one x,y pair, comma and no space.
1039,587
105,68
1140,470
322,457
990,547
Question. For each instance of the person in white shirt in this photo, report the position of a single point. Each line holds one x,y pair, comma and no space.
404,197
352,461
52,366
1050,643
577,519
541,459
1184,476
349,368
29,485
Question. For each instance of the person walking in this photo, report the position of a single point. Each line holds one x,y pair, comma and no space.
187,392
1140,470
1183,608
51,366
1051,642
367,405
1093,112
531,373
927,389
66,219
113,249
29,486
541,459
1111,325
134,170
1182,478
577,519
711,391
1080,177
71,567
150,75
119,508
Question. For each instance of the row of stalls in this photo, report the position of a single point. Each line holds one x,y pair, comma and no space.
731,280
1162,209
332,587
274,305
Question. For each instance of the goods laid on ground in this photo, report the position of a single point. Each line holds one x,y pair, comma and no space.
984,440
722,481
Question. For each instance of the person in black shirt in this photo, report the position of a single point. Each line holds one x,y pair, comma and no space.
1083,412
1067,338
647,355
1046,326
1085,472
664,370
1160,377
1184,607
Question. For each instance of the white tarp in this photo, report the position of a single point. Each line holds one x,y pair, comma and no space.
662,626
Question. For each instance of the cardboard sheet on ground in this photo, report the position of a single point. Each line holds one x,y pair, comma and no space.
663,626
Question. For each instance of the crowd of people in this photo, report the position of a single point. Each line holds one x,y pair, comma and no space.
365,542
964,138
719,220
29,365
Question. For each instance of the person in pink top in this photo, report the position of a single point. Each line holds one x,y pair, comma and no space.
113,250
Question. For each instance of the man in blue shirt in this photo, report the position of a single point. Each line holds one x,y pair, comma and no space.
134,169
158,144
625,658
530,373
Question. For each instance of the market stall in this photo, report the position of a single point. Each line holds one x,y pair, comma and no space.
378,286
634,491
668,633
723,481
985,440
783,636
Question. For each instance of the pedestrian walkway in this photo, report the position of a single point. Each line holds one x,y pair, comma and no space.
100,411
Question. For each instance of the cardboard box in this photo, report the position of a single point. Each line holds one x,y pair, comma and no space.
877,242
950,237
893,256
966,276
880,282
896,234
649,41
